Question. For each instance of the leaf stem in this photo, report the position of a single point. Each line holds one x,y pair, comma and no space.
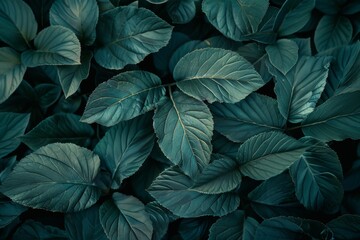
169,85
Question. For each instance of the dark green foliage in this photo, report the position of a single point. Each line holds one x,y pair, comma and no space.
179,119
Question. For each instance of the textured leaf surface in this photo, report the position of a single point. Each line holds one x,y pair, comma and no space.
228,227
61,128
123,97
300,89
11,72
125,147
283,54
333,120
9,211
128,34
215,74
181,11
124,217
17,23
55,45
160,218
268,154
184,128
80,16
171,190
57,177
240,121
346,227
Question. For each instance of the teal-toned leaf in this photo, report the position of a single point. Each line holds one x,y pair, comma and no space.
275,197
123,97
125,147
84,225
17,23
6,166
184,128
283,54
9,211
299,90
255,114
70,77
56,177
317,175
304,45
229,227
55,45
215,74
157,1
351,7
126,35
249,229
171,190
124,217
48,94
268,154
235,18
11,72
195,228
330,7
336,119
63,128
224,146
160,218
181,11
77,15
12,126
351,179
332,31
345,227
31,230
221,175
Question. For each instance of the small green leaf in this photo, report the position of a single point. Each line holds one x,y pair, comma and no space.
9,211
283,54
31,230
330,7
345,227
160,218
57,177
55,45
181,11
229,227
124,217
47,93
123,97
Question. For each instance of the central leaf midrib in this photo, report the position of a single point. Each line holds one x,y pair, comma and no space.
329,119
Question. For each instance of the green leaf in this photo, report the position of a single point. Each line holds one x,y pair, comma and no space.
171,190
57,177
6,166
157,1
126,35
335,119
47,93
332,31
70,77
123,97
11,72
125,147
63,128
12,126
80,16
31,230
85,225
229,227
224,146
55,45
299,90
219,176
181,11
215,74
195,228
330,7
124,217
17,23
160,218
283,54
293,16
255,114
9,211
268,154
235,18
184,128
345,227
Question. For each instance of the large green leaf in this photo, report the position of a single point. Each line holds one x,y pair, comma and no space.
345,227
255,114
283,54
235,18
126,35
124,217
80,16
31,230
11,72
299,90
215,74
17,23
171,190
268,154
57,177
123,97
125,147
336,119
12,126
63,128
220,175
55,45
184,128
181,11
317,175
332,31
